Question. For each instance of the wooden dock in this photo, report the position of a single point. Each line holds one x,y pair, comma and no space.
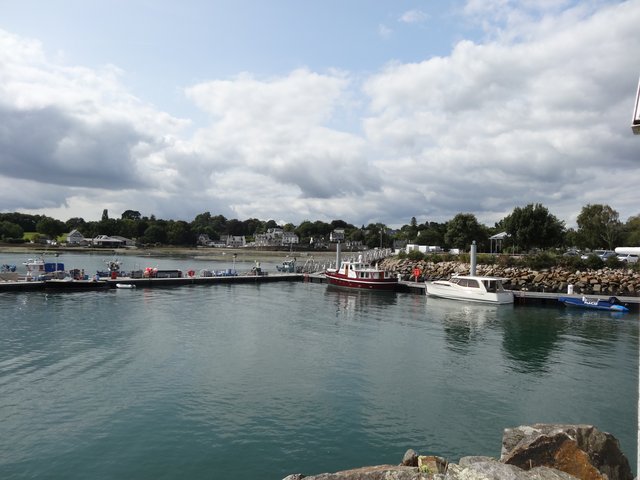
75,285
417,288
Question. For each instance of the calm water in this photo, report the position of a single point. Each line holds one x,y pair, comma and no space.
259,381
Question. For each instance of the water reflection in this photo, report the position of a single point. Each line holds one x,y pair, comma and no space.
350,303
530,337
463,322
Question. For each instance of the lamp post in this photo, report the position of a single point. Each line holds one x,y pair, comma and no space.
635,121
635,128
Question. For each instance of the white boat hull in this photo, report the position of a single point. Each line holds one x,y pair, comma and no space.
453,291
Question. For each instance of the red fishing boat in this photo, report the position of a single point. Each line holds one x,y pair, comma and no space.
358,274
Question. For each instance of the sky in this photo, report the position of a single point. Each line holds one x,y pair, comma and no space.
365,111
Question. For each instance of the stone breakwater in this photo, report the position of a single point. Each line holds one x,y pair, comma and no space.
540,452
605,281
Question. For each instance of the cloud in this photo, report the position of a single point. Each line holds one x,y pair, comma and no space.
276,127
384,31
537,112
73,127
501,124
413,16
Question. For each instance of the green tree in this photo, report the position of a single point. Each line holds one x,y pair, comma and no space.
462,230
598,226
129,228
50,227
305,230
179,233
155,233
131,215
432,233
75,223
631,232
533,227
10,230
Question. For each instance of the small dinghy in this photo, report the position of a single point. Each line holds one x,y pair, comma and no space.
125,285
612,303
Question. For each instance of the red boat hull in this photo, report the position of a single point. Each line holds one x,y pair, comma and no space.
385,284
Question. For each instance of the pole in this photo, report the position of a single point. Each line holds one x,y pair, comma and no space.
473,257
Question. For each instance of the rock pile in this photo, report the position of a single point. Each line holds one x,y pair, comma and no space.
606,281
540,452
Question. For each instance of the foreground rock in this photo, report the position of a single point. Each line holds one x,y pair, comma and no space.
535,452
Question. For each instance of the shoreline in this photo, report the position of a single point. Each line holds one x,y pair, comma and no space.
203,252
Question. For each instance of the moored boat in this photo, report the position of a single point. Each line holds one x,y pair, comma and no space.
470,288
611,304
358,274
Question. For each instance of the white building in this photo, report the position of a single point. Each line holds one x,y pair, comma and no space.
76,238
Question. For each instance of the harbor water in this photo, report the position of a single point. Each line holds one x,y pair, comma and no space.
263,380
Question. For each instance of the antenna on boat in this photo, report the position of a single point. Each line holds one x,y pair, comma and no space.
473,258
338,255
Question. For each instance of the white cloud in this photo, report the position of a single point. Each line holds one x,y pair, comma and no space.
524,122
384,31
413,16
537,113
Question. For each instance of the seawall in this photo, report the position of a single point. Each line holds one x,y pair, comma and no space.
605,281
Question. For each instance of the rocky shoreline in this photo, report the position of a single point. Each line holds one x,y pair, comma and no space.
605,281
535,452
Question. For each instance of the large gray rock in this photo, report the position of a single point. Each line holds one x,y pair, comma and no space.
410,458
493,470
380,472
581,450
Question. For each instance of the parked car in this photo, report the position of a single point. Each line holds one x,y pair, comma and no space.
603,254
597,253
607,254
628,257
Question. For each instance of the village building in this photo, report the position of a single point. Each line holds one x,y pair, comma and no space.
75,238
105,241
236,241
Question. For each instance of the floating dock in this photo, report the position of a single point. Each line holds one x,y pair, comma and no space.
417,288
107,283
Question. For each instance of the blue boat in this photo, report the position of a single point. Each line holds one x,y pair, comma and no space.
612,304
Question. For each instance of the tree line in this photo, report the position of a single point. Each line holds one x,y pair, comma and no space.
528,228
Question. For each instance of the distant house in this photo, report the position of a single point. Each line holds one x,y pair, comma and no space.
127,241
354,244
318,243
276,237
204,240
337,235
236,241
290,238
424,248
75,238
104,241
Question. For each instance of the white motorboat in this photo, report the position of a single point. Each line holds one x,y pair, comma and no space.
470,288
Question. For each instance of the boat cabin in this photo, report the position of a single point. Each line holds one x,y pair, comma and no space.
492,285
